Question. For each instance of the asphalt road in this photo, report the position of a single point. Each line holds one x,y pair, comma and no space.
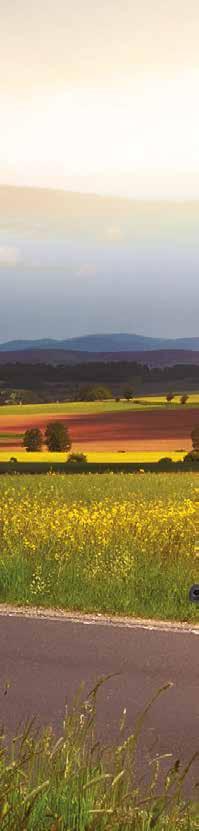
42,663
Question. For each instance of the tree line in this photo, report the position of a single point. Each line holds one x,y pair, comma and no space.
35,375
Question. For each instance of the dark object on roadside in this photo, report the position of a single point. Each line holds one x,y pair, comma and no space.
194,593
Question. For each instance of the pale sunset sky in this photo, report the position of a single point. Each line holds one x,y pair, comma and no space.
101,97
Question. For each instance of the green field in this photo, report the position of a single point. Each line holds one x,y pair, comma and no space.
76,407
107,543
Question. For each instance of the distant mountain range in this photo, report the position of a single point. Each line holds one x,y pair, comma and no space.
154,352
103,343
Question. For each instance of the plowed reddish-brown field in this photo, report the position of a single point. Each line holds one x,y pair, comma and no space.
150,430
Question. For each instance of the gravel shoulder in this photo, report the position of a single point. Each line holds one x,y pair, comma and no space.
105,620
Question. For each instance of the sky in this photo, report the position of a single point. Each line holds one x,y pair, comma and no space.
72,265
100,98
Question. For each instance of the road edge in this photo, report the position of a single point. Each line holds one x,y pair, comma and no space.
61,615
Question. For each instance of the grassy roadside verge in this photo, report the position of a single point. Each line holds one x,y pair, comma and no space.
74,783
152,592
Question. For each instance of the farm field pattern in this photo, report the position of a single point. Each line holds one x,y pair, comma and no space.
154,429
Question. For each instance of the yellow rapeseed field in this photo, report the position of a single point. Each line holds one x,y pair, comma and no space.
101,531
87,532
92,456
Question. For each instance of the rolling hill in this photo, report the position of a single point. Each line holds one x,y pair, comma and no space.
103,343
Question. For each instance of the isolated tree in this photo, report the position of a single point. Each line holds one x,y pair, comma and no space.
195,438
184,399
57,437
128,393
33,439
170,396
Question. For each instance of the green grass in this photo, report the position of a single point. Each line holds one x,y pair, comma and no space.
74,783
147,402
52,529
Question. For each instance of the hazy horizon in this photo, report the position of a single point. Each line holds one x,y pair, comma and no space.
99,99
84,186
72,265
